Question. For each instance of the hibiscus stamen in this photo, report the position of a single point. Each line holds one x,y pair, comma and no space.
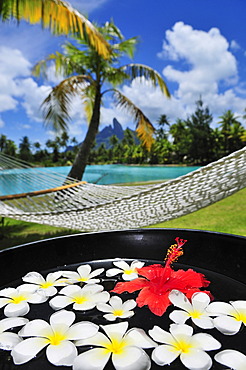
174,252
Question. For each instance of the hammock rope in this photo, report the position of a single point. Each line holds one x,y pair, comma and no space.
90,207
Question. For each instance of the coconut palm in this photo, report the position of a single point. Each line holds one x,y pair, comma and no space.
227,122
91,76
57,15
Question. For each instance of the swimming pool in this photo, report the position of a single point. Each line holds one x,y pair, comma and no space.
12,181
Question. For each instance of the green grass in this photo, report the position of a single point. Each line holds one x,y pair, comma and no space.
228,216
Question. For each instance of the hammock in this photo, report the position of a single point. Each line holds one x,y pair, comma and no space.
90,207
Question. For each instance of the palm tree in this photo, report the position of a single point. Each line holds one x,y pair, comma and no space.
58,16
228,120
91,76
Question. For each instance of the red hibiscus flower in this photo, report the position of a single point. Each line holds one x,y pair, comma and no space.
157,281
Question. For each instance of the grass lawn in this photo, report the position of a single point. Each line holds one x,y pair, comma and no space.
227,215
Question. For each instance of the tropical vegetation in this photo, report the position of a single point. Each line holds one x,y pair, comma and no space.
191,141
91,76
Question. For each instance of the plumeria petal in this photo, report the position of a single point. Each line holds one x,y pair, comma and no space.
205,342
64,354
134,358
204,322
220,308
196,360
139,338
94,340
4,301
12,322
84,329
13,310
34,278
59,302
227,325
200,301
164,355
161,335
62,317
181,330
232,358
113,272
178,299
27,349
36,328
111,329
94,359
179,317
9,340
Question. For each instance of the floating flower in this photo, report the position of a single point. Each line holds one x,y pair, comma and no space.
129,272
46,285
181,342
56,336
83,299
7,339
158,281
126,348
116,308
232,358
83,274
196,309
230,316
17,300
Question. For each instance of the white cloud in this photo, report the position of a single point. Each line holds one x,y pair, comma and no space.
234,45
209,69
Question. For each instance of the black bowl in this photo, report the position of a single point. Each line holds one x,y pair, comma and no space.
221,257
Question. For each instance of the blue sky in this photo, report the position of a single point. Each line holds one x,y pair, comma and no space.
198,46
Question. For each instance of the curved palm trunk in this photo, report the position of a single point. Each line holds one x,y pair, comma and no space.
80,162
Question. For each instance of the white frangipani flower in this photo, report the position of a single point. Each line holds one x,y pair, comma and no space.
116,308
126,348
83,275
56,336
83,299
181,342
48,284
230,316
16,300
7,339
129,272
196,309
233,359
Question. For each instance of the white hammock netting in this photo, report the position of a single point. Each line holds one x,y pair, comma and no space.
89,207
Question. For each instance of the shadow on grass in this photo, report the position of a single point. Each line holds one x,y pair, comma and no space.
16,234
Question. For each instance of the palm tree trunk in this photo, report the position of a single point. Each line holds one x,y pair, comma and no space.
81,159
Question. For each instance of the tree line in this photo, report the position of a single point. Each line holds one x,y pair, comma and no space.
191,142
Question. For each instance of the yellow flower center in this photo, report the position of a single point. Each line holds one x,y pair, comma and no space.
56,338
130,271
182,346
195,314
240,316
116,346
18,299
46,285
80,299
83,279
118,312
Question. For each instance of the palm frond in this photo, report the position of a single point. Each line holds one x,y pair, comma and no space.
57,15
64,65
141,70
144,128
56,106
